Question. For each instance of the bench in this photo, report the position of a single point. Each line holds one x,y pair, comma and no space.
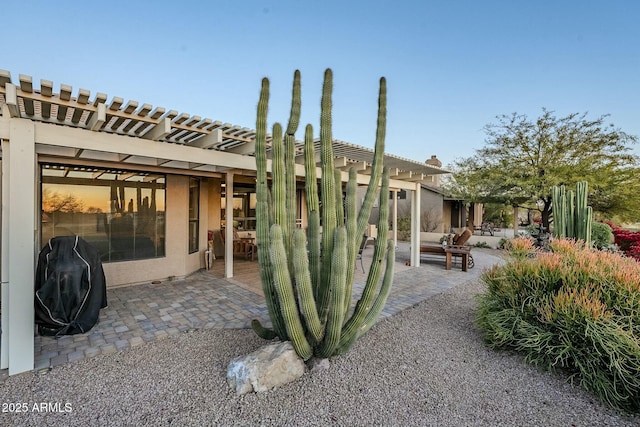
457,242
462,251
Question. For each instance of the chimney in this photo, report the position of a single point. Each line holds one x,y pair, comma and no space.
433,161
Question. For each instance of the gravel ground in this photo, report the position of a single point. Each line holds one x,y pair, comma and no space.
426,366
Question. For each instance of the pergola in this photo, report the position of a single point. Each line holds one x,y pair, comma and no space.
42,124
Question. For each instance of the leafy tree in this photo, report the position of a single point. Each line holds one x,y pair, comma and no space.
524,158
52,201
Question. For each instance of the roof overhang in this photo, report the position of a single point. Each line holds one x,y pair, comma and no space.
227,146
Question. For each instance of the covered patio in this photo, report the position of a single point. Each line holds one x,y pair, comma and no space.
145,313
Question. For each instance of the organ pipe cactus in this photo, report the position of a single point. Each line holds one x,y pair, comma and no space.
307,275
571,216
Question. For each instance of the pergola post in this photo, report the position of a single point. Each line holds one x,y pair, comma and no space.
18,246
228,234
416,212
394,215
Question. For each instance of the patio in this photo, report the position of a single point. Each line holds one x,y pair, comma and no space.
140,314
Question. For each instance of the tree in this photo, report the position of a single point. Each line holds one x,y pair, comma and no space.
52,201
523,159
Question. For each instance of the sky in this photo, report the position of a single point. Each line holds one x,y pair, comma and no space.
452,66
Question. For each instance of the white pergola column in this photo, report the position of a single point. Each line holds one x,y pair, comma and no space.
228,230
19,207
4,249
394,216
416,213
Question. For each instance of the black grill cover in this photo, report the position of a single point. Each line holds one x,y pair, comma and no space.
70,287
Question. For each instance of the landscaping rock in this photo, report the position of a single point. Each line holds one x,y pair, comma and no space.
266,368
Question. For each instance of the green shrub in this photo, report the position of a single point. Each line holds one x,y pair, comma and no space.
574,310
404,228
482,244
502,244
601,235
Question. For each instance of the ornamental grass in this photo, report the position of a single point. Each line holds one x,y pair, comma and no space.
574,310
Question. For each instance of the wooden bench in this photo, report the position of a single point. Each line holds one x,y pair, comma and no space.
457,250
457,242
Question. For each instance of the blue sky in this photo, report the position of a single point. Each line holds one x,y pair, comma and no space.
451,66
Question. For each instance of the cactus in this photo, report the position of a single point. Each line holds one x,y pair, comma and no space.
307,275
571,216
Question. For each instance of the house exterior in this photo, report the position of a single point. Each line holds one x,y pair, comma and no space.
147,186
439,212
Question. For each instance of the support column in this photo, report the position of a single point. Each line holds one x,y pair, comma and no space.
21,211
4,250
228,234
394,216
416,212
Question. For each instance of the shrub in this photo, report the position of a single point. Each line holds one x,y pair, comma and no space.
404,228
628,241
503,243
481,245
520,247
574,310
601,235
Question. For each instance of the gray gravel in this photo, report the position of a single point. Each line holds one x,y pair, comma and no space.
426,366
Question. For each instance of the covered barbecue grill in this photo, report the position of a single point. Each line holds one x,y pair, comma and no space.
70,287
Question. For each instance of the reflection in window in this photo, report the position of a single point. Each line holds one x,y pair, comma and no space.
121,213
244,207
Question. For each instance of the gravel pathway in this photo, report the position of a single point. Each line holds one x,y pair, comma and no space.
426,366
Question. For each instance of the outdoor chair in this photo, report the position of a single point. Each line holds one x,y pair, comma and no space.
486,227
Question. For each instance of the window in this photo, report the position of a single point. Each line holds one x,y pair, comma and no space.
194,213
244,207
120,212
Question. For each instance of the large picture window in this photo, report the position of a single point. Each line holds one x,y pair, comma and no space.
120,212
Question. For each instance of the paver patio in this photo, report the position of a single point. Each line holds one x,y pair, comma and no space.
144,313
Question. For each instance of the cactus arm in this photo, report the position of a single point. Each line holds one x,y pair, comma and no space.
278,172
313,209
353,240
263,196
284,288
339,199
570,212
581,210
378,305
365,302
378,158
328,191
261,331
289,148
589,220
302,276
336,313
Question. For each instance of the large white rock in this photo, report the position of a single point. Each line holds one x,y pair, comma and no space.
268,367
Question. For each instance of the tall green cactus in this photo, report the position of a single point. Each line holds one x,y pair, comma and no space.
571,216
307,276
